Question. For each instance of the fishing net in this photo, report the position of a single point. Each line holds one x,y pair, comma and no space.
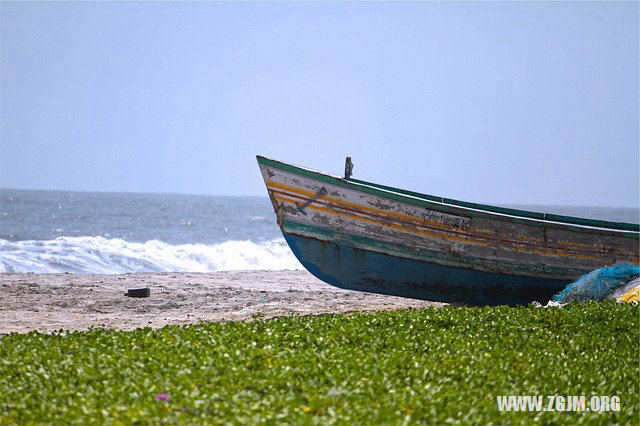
598,284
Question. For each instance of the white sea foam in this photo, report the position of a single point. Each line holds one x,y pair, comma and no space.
112,256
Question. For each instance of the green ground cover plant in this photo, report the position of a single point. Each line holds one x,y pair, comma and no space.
433,365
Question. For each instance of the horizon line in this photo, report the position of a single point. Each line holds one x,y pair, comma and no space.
266,196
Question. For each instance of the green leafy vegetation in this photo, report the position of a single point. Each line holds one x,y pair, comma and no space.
433,365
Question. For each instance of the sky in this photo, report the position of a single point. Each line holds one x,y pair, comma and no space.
496,102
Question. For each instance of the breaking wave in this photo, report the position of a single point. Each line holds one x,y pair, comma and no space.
112,256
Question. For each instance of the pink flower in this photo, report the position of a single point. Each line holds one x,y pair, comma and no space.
162,397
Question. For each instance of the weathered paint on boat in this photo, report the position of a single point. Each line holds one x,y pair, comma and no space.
363,236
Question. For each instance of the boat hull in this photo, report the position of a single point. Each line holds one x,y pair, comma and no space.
363,236
362,270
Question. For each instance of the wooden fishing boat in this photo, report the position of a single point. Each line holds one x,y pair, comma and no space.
369,237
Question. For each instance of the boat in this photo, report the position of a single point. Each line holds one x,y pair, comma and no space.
364,236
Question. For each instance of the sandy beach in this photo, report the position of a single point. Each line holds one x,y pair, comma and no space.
49,302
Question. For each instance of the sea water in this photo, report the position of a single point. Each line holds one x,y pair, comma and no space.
90,232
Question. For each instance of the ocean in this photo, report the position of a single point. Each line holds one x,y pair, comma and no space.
93,232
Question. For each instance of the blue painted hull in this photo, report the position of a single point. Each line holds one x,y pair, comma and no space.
357,269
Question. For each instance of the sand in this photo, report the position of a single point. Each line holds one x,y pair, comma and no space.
49,302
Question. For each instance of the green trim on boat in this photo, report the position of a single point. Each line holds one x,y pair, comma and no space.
449,205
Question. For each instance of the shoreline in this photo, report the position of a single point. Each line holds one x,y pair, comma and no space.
72,302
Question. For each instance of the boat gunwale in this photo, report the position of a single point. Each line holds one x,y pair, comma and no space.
469,208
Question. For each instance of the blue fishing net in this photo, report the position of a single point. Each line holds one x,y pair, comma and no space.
598,284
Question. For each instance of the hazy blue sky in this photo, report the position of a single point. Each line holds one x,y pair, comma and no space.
530,103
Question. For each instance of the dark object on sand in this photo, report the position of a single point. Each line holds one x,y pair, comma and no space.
364,236
138,292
